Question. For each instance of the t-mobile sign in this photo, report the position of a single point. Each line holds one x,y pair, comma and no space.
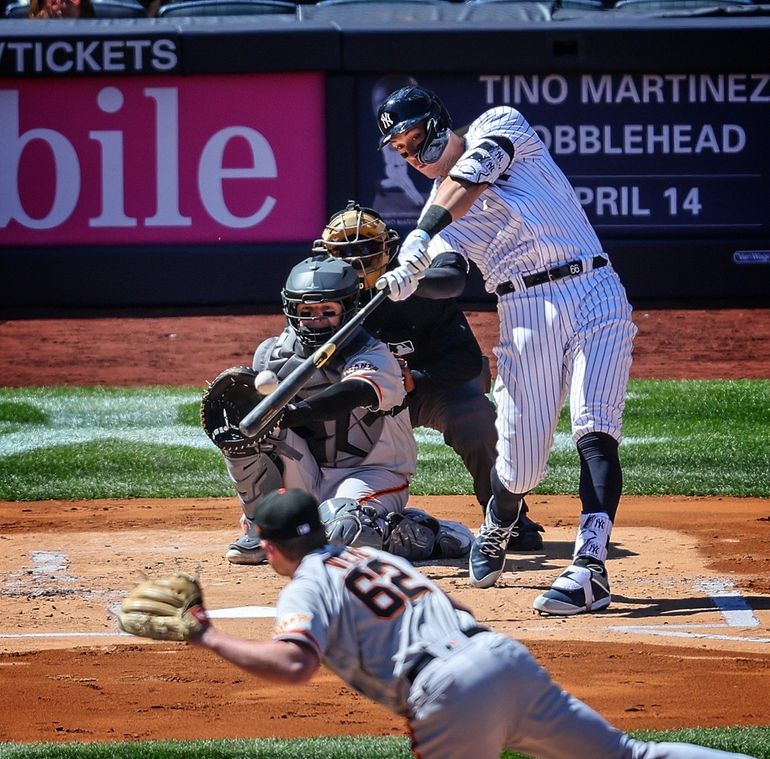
206,159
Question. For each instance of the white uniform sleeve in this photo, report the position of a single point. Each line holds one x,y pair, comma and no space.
438,244
376,365
493,141
483,163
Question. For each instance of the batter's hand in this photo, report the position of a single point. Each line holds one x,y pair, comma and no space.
414,252
400,283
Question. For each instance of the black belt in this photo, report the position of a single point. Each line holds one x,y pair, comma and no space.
425,659
551,275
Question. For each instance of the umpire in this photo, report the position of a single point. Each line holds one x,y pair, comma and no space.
446,375
397,638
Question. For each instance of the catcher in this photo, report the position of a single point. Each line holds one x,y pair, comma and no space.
343,437
397,638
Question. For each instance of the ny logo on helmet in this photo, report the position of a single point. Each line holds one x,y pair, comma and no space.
387,121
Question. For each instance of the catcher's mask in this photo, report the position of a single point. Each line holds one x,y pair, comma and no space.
360,236
408,107
319,280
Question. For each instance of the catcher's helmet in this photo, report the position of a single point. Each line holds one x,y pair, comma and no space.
408,107
319,280
360,236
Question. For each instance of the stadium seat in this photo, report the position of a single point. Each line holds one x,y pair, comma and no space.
225,8
579,9
582,5
655,6
379,12
16,10
324,3
502,10
119,9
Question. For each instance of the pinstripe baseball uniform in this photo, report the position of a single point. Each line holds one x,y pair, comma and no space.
572,335
500,200
394,636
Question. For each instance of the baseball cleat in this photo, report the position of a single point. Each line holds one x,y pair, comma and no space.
487,557
581,587
247,549
527,535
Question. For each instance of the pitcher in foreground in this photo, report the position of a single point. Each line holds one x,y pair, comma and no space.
397,638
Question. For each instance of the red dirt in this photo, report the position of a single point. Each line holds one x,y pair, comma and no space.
82,682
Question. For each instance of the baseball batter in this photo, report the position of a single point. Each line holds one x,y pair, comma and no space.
565,322
339,439
394,636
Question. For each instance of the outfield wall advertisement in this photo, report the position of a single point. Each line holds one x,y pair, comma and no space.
650,154
160,163
206,159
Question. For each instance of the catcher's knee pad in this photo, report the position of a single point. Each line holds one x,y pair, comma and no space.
348,523
453,541
254,477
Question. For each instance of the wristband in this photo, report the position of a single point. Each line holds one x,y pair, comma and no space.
434,220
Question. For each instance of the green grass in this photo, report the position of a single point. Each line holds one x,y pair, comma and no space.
686,438
753,741
681,438
690,438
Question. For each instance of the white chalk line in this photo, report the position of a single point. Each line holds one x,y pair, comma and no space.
238,612
654,630
243,612
734,609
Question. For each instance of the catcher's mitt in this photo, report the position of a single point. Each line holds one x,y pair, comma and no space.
169,608
225,402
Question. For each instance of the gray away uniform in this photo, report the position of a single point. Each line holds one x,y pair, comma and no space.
369,455
395,637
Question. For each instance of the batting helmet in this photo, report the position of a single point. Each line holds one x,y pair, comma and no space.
360,236
408,107
319,280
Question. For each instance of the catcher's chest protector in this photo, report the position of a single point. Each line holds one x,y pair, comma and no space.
340,443
281,355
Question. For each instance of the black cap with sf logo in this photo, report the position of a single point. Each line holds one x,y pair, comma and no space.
284,514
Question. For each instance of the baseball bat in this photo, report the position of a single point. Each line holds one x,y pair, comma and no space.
262,416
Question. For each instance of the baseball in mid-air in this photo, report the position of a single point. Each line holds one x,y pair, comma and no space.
266,382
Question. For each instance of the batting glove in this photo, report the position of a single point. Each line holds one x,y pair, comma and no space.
414,251
400,283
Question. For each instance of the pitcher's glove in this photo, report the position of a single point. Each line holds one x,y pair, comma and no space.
168,608
225,402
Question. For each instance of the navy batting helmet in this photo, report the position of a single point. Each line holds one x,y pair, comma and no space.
408,107
319,280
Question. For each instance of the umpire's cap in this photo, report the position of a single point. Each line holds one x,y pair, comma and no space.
284,514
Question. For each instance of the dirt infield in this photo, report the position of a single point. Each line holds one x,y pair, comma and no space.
686,641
